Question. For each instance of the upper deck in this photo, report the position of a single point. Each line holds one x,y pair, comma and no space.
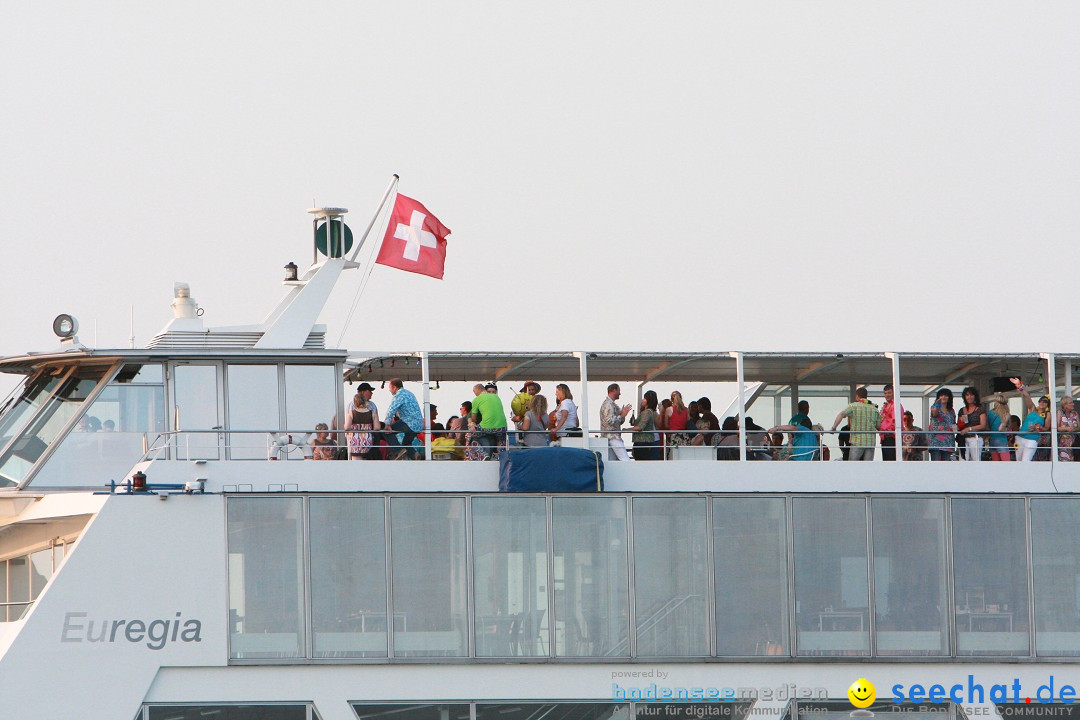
87,419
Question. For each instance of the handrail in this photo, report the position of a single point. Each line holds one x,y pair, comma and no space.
301,444
652,620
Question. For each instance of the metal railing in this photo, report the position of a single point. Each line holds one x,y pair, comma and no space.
673,445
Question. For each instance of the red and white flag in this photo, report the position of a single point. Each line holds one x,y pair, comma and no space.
415,240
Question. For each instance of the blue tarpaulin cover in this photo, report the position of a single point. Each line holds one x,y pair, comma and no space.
551,469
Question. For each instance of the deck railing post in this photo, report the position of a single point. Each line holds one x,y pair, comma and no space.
425,378
898,417
583,416
740,380
1051,382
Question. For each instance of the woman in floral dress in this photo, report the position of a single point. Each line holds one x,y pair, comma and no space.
942,426
1068,423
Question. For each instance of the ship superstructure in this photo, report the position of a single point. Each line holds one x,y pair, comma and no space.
191,560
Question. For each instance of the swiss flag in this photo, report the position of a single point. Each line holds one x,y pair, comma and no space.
415,240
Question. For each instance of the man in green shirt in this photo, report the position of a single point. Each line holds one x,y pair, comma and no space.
864,419
487,410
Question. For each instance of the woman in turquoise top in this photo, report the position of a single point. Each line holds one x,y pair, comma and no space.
804,441
1027,442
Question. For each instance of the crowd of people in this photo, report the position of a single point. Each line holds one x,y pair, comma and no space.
973,431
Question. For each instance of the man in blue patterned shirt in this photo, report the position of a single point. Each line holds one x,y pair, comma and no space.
403,417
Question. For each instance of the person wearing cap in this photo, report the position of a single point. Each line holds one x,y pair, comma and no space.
488,412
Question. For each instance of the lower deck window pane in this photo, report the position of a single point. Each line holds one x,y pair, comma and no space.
590,569
990,576
18,586
510,576
909,576
405,711
553,711
671,577
265,577
832,592
1055,549
348,577
227,712
750,555
430,586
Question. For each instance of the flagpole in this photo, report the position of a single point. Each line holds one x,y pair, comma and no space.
382,204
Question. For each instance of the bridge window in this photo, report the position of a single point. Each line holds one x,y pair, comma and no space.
266,399
253,407
22,453
990,573
109,438
751,559
310,396
909,576
23,405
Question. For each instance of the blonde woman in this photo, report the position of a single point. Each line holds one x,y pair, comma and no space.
999,426
676,420
566,416
534,430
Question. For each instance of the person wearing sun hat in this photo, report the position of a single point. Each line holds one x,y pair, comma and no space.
520,404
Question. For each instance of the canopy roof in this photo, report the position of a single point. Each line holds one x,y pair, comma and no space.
770,368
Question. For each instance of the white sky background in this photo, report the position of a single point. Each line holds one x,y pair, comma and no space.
618,176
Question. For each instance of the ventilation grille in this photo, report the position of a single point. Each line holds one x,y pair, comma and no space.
177,340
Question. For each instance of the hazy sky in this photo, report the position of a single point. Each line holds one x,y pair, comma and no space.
617,176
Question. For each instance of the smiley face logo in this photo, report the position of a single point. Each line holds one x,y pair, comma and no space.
862,693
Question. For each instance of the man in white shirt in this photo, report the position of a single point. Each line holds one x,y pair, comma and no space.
611,419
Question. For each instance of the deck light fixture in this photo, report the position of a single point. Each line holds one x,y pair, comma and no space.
290,272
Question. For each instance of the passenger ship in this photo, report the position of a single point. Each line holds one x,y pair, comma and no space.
191,561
